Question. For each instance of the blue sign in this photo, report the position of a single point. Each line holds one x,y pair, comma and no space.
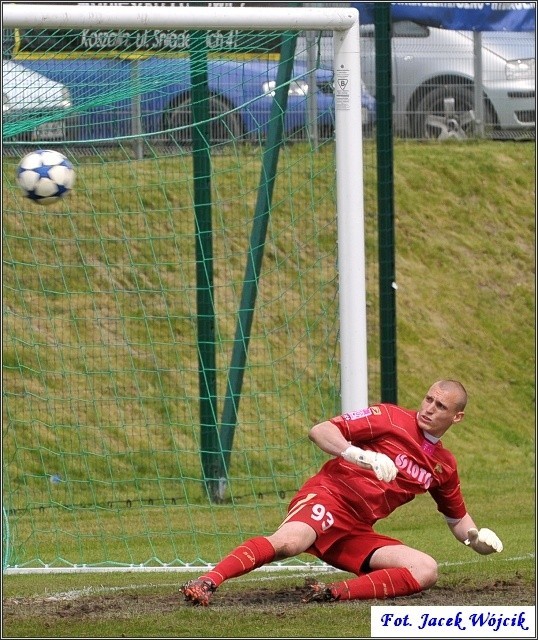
466,16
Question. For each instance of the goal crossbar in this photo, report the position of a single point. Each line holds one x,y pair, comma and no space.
144,17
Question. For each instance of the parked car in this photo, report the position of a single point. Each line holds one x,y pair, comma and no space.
433,79
28,94
241,95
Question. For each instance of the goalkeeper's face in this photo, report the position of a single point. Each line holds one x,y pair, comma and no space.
439,410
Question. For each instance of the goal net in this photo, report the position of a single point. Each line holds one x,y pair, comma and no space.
176,324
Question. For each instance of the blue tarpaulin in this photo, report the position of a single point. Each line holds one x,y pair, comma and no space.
466,16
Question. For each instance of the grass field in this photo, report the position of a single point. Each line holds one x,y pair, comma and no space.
465,264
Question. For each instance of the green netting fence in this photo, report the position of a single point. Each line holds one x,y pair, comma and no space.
104,449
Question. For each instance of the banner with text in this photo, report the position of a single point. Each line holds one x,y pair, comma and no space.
467,16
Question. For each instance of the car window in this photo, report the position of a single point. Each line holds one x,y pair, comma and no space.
408,29
400,29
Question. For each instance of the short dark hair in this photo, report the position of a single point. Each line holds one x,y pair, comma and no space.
455,385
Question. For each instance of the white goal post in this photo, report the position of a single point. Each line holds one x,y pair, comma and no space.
344,22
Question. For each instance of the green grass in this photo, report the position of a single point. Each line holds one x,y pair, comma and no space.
465,270
95,609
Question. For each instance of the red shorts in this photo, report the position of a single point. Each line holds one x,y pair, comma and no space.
343,540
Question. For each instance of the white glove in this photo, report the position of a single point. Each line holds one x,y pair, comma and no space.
381,465
484,541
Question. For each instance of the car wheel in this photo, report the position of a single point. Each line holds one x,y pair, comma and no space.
448,112
224,126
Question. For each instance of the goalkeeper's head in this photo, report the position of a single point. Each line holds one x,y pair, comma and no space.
442,406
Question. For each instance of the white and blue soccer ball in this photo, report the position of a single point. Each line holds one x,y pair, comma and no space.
45,176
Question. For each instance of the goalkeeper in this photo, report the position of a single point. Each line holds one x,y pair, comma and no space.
383,456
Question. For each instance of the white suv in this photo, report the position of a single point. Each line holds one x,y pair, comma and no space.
27,95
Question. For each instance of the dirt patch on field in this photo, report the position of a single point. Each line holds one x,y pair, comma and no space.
500,593
122,605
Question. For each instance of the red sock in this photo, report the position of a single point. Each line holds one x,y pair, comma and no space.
247,556
379,584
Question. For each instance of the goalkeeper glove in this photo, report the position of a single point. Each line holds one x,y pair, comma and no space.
381,465
484,541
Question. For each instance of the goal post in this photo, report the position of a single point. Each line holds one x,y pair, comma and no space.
79,216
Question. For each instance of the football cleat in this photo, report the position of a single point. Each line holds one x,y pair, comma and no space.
319,592
198,592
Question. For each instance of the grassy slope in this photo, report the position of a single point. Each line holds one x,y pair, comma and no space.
465,264
465,271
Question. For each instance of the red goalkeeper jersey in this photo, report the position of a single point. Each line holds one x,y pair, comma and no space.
422,465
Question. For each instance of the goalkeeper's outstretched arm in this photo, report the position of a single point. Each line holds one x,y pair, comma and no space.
483,541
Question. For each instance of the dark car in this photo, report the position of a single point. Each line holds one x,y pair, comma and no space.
105,97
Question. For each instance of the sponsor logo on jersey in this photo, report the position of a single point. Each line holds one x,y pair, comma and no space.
355,415
407,464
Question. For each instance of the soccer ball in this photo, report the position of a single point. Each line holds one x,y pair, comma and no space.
45,176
